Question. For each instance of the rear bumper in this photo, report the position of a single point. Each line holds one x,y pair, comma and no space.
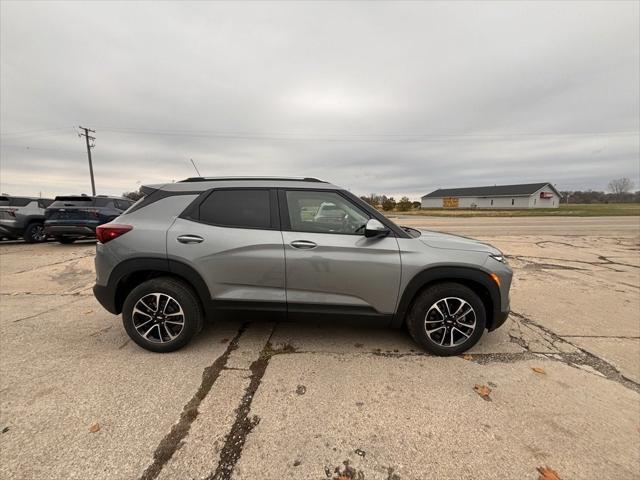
70,230
10,231
106,297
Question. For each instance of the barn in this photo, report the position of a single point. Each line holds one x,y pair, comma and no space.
527,195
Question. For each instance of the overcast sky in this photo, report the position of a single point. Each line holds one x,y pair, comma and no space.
396,98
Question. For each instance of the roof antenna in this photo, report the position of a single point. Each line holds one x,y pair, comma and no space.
194,166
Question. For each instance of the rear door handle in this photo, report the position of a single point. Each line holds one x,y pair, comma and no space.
190,239
303,244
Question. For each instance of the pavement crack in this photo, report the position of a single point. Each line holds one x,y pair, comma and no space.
539,244
243,424
604,262
626,337
48,310
67,260
608,261
581,358
172,441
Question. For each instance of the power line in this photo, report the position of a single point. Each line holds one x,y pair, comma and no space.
39,149
330,137
402,138
37,132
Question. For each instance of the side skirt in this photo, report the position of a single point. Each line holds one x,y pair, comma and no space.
299,312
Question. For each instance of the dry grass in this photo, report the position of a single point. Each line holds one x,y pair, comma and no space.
571,210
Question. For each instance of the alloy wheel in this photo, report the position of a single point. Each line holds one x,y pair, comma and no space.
38,233
158,318
450,322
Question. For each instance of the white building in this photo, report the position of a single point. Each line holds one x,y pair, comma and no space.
530,195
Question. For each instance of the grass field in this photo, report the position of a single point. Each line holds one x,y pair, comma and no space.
571,210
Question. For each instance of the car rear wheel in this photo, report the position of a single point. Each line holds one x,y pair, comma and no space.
447,319
34,233
162,314
65,240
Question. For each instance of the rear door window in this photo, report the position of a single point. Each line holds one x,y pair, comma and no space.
242,208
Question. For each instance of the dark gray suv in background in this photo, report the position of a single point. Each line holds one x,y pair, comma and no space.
73,217
295,248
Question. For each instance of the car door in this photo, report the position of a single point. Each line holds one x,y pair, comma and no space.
231,238
331,267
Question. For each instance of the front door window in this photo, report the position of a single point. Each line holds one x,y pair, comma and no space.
324,212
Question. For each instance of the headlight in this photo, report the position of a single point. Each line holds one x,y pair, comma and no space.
500,258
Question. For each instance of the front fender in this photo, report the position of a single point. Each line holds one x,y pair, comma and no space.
465,275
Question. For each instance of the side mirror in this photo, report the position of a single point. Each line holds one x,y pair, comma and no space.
375,228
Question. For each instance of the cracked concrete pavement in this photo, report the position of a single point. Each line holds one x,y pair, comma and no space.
258,400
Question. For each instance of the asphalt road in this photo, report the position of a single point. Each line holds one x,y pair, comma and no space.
258,400
498,226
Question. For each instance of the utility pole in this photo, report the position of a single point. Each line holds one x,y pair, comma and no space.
88,137
194,166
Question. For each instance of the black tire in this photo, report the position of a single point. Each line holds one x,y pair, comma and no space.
453,331
34,233
185,298
65,240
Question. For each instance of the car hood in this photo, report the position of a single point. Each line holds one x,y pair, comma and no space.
456,242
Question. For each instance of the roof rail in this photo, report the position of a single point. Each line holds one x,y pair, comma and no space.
232,179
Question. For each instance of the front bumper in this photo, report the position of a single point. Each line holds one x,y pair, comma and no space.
69,231
498,320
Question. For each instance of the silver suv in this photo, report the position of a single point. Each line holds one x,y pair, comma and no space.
23,217
208,248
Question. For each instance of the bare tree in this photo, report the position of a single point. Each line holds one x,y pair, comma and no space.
620,186
133,195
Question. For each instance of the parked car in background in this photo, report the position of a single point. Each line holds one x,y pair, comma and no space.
301,249
23,217
70,218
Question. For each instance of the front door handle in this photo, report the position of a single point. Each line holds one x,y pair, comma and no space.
303,244
190,239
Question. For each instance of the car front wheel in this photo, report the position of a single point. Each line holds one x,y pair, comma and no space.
162,314
447,319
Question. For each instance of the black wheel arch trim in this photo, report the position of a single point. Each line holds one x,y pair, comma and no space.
111,297
448,274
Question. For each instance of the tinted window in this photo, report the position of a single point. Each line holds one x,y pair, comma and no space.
44,202
324,212
237,208
103,202
123,204
80,201
19,202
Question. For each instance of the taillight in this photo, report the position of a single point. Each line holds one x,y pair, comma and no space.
11,211
107,232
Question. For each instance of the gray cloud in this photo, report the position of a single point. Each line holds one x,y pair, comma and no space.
396,98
